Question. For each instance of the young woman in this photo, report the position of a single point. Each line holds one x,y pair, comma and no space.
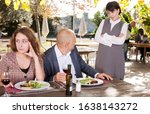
24,61
111,35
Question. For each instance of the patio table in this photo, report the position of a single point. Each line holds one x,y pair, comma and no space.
140,45
121,87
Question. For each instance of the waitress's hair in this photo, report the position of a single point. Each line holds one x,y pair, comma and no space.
111,6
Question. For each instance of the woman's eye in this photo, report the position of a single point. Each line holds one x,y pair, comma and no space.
22,41
17,41
25,41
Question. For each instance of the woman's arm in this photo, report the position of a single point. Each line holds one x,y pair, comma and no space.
122,37
101,38
39,69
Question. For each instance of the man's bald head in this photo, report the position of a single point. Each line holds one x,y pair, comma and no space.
65,35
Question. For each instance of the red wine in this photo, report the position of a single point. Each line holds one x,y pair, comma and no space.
5,81
65,70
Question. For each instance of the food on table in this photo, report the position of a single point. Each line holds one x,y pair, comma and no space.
87,81
32,84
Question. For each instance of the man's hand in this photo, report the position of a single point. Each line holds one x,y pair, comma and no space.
60,77
104,76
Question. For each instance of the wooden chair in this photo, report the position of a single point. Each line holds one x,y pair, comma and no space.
148,56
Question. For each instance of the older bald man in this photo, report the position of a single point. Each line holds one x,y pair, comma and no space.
65,52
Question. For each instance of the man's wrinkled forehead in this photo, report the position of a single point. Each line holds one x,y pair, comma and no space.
65,33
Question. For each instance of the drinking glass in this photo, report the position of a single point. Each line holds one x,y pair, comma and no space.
65,65
65,68
5,79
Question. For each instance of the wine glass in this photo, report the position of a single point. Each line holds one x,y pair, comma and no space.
65,65
65,68
5,79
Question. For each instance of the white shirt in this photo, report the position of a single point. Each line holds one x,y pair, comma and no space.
64,60
108,39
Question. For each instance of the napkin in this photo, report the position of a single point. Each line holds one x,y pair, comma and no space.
11,90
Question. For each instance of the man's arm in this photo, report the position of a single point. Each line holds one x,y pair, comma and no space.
47,69
85,67
88,70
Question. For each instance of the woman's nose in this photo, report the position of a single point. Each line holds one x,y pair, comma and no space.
20,44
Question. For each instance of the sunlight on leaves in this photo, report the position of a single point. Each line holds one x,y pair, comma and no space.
42,2
124,4
96,1
141,2
16,4
25,6
7,2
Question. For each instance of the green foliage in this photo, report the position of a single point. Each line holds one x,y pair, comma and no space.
125,16
96,1
52,28
10,18
144,14
98,17
123,4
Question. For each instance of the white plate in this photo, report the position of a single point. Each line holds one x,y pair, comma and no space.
46,86
99,82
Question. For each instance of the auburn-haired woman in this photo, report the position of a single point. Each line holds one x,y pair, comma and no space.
24,61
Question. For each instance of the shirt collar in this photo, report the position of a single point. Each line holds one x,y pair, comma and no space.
115,22
58,52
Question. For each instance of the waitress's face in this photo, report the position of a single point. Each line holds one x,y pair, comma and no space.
113,14
22,43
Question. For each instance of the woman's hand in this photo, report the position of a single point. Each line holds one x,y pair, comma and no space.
31,52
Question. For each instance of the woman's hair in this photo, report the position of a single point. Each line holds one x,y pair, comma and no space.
111,6
31,38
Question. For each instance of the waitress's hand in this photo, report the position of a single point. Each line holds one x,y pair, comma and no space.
31,52
121,35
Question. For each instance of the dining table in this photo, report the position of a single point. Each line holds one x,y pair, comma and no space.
85,51
140,45
51,40
78,43
114,88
